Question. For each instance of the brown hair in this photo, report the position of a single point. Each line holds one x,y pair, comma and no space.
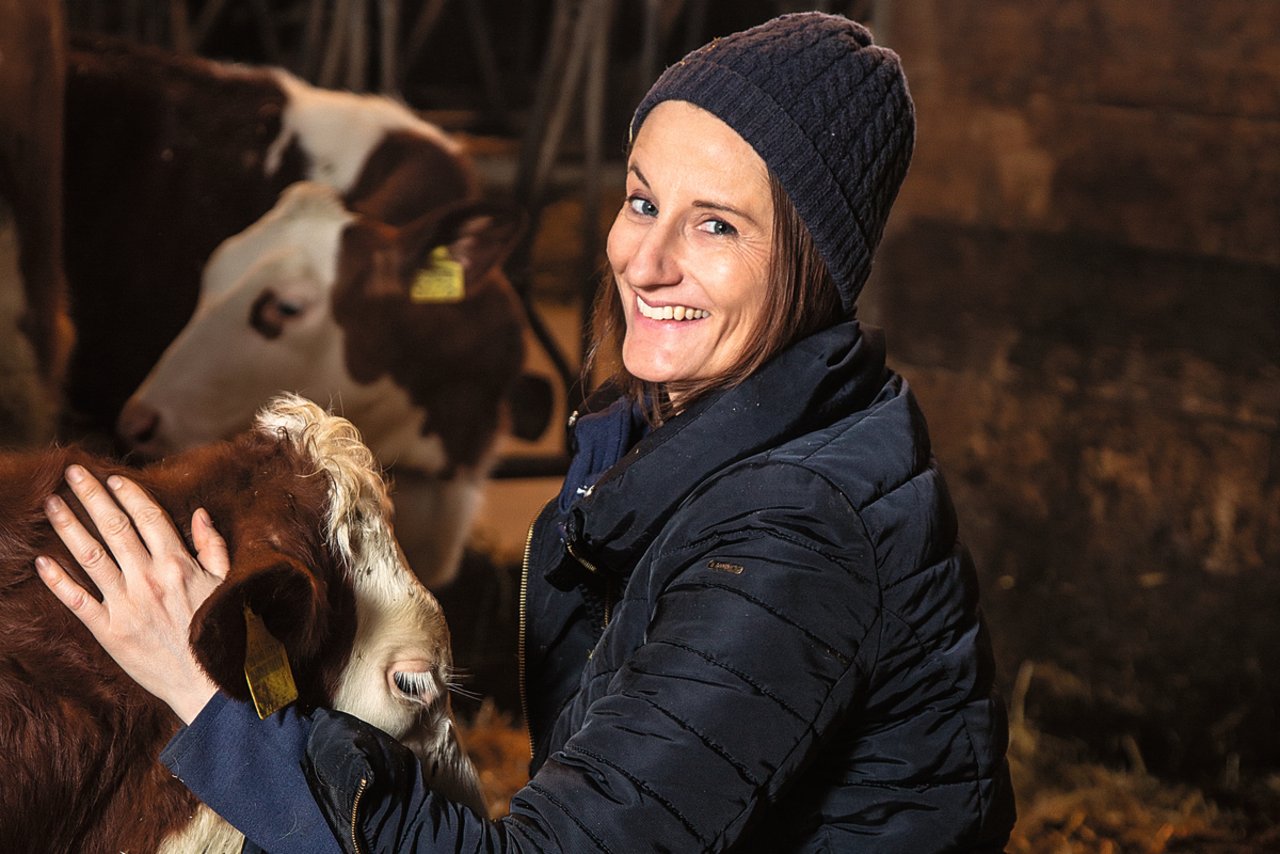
802,298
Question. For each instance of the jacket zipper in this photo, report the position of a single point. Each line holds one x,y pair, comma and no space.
608,591
355,811
521,679
588,564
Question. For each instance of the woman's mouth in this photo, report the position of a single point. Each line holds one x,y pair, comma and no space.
670,312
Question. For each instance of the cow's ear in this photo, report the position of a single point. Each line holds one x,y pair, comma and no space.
277,588
478,234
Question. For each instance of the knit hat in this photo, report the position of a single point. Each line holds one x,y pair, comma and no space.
827,111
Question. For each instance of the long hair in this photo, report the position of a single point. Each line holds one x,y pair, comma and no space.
802,298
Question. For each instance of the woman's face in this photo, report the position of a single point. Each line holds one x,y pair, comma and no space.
691,247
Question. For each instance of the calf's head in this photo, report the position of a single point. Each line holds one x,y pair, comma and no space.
313,554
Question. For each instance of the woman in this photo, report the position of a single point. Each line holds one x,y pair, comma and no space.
750,623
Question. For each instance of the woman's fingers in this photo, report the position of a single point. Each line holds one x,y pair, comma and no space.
84,547
211,549
112,522
90,611
152,523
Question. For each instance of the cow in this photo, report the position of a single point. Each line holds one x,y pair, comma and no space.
318,299
168,155
302,507
35,332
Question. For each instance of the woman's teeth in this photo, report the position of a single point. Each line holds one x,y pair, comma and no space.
670,312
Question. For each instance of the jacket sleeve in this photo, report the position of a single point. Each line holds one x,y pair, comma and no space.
249,771
762,629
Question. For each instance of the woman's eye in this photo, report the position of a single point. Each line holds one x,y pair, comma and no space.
718,226
642,206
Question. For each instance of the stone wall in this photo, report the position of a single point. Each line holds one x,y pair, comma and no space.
1082,284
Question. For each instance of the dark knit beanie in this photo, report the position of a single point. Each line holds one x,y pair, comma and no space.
827,111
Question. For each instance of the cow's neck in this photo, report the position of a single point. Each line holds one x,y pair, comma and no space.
392,426
438,514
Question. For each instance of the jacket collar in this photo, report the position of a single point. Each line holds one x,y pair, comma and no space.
811,384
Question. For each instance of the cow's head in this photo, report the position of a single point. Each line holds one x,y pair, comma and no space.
313,554
317,300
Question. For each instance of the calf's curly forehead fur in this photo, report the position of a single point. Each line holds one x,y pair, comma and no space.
358,501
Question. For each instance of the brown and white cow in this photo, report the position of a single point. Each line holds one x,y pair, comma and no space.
322,301
34,330
304,512
168,155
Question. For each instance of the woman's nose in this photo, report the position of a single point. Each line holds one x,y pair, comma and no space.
654,258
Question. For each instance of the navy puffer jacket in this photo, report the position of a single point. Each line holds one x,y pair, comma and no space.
757,631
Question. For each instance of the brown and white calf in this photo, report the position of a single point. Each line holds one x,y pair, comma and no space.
338,307
169,155
304,512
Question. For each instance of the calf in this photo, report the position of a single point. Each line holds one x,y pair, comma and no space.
304,514
412,332
169,155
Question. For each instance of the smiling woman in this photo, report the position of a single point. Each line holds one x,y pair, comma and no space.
748,620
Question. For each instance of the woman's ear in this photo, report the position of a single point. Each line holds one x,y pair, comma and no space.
280,590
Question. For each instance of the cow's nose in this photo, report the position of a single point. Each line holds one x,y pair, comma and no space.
138,423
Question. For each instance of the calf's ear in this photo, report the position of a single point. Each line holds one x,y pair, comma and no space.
279,589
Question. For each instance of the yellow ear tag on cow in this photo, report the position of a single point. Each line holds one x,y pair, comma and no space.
266,667
442,281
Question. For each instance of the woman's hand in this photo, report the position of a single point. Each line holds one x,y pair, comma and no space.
151,585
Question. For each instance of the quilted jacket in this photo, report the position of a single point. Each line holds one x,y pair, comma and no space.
757,631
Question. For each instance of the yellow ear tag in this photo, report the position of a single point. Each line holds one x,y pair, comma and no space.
442,281
266,667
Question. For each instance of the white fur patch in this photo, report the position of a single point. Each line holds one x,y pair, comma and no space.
338,130
206,833
306,222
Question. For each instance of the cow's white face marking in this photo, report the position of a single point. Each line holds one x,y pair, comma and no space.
264,324
338,130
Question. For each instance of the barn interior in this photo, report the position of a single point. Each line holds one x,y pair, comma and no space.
1080,280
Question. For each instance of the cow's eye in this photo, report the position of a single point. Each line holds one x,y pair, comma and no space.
415,684
270,312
